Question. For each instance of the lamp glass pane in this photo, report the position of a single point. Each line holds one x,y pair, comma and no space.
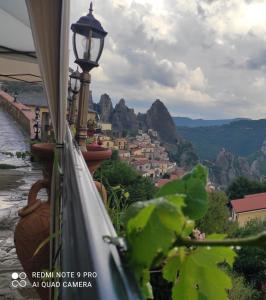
75,85
87,47
95,49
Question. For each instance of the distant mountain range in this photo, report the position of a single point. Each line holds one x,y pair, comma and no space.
241,138
188,122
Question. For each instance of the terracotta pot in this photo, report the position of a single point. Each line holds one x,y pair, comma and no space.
45,152
32,229
94,156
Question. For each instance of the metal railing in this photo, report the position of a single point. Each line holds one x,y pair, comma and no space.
85,222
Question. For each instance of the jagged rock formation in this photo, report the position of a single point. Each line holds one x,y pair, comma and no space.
124,119
159,119
228,166
105,108
258,163
180,150
142,121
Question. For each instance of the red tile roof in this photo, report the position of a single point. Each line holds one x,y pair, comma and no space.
161,182
249,203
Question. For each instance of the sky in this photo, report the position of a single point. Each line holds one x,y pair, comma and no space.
202,58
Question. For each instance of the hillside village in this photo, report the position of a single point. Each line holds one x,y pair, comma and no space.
145,153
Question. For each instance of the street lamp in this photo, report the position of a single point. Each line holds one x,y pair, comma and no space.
15,96
74,85
88,42
37,113
75,81
36,126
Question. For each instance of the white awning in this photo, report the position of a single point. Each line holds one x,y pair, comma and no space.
17,52
34,48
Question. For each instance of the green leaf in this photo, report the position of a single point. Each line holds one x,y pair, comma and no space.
193,186
188,228
151,228
200,276
172,264
145,285
141,219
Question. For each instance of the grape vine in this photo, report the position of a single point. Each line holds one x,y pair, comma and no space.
158,235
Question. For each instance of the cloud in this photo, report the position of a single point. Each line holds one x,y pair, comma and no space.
202,58
258,61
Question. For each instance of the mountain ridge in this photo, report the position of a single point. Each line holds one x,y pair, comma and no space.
189,122
242,138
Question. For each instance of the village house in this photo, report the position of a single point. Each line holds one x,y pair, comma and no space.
136,152
177,174
124,155
248,208
107,142
142,166
152,132
121,143
105,127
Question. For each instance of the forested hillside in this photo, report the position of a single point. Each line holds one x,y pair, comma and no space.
242,138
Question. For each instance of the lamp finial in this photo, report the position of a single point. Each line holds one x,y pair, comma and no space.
91,9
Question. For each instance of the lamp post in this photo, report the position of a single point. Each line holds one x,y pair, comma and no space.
15,96
36,126
74,89
88,42
69,98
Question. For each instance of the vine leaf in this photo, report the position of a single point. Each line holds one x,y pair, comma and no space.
193,186
146,285
152,228
173,264
197,275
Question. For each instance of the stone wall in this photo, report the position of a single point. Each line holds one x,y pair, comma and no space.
20,112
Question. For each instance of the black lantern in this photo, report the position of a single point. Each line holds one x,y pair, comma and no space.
70,93
37,130
75,81
88,41
15,96
37,112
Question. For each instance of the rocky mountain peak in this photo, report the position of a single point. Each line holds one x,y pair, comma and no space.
124,118
105,108
159,119
121,103
158,103
227,167
125,121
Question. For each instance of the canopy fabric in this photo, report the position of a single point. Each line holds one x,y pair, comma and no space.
50,27
18,60
15,70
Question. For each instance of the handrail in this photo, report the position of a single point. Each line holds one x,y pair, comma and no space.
85,222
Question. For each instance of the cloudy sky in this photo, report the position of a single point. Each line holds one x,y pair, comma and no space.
202,58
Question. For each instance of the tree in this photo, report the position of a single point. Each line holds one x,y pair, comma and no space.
242,186
241,290
251,261
114,173
115,155
217,216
